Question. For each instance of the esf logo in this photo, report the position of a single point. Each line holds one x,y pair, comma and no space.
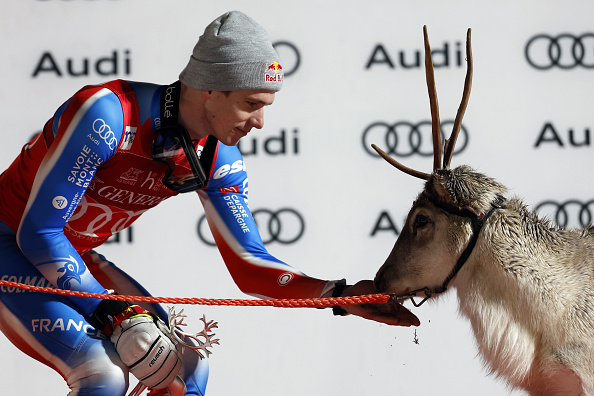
448,55
229,169
562,138
118,62
404,138
564,51
285,226
571,213
283,144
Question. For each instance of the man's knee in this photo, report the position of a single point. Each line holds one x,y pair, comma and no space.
195,374
99,376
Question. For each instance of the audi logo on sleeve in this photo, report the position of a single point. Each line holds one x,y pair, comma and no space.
564,51
404,138
285,226
571,213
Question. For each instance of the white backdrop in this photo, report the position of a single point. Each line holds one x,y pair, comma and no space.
527,127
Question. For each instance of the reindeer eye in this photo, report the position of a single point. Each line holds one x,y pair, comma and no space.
420,221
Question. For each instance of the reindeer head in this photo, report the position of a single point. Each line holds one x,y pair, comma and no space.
443,224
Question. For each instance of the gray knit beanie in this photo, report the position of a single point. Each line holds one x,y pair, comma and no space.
233,54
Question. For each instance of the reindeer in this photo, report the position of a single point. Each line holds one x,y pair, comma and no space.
526,285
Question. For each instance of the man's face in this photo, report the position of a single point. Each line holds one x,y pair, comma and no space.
231,117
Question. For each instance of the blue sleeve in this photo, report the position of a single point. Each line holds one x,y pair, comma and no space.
228,191
87,132
253,268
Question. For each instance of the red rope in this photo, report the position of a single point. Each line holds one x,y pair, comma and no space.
282,303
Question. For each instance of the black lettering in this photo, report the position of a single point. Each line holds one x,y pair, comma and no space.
443,53
83,72
416,63
127,65
584,142
389,225
295,142
554,138
275,145
119,237
105,66
46,57
379,56
276,140
412,60
458,54
113,60
244,152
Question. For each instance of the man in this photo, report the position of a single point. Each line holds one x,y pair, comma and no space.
110,153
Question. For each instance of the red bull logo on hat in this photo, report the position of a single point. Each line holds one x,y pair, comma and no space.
274,72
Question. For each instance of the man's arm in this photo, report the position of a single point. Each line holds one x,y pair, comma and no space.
253,268
86,131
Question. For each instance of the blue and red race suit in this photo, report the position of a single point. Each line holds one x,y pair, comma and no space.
88,175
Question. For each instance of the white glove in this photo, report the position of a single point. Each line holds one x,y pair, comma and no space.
148,352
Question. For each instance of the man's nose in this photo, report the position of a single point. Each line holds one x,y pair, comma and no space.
257,119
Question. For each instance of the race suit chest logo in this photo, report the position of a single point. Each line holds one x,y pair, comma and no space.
130,176
94,221
227,169
128,197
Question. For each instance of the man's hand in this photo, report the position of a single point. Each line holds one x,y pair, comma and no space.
141,340
390,313
148,352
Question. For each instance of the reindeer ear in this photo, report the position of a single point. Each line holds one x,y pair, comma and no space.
448,187
464,188
438,187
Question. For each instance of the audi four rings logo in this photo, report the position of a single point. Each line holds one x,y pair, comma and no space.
569,214
284,226
403,138
105,133
290,56
565,51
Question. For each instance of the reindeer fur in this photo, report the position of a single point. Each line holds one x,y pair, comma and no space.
527,288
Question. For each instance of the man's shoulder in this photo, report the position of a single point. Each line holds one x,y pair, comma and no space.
228,152
229,164
123,88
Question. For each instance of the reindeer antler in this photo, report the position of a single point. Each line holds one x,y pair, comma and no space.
399,166
435,121
451,142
